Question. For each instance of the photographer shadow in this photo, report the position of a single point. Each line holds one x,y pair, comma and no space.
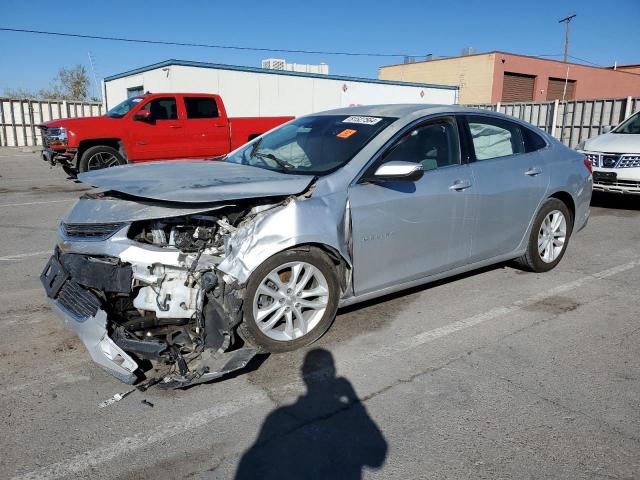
326,433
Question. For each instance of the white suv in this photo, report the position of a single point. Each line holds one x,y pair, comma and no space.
615,157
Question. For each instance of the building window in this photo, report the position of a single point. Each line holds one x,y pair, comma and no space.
555,89
135,91
517,87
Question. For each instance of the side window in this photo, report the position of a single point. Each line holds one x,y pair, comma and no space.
200,107
494,137
434,144
162,109
532,141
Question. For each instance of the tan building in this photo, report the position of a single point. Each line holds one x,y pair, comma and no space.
506,77
635,68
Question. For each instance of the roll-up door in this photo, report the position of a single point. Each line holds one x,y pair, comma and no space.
556,88
517,87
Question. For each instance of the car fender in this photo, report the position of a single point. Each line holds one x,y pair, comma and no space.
297,221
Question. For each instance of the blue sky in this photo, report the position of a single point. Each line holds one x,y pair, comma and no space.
602,33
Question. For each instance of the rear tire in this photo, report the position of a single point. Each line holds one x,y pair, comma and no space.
549,237
99,157
294,294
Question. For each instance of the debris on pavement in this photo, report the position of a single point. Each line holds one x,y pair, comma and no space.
116,398
147,402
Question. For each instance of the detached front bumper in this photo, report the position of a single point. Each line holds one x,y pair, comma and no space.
93,333
80,310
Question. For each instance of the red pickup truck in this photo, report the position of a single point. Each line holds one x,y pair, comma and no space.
150,127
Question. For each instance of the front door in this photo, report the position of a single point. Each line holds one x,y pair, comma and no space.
162,135
510,183
404,230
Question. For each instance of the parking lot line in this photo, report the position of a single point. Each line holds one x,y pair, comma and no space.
37,203
20,256
92,458
103,454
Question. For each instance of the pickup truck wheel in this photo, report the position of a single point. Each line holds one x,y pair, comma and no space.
291,301
98,157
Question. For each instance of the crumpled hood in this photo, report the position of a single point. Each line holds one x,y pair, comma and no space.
614,143
196,181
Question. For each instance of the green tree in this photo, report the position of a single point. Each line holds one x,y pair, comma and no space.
68,84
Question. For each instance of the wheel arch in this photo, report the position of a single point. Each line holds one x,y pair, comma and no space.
94,142
566,198
344,266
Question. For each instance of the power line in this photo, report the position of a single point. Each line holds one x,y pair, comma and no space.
203,45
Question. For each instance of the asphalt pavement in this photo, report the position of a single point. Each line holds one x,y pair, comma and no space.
493,374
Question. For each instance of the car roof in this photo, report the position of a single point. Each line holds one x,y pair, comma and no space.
401,110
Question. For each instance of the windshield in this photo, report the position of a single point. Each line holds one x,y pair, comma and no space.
313,145
632,125
123,108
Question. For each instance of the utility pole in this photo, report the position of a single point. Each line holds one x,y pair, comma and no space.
95,78
567,21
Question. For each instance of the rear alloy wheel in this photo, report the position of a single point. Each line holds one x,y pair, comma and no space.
99,157
552,236
549,237
291,300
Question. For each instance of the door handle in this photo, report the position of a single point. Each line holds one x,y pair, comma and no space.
175,126
460,185
533,171
219,126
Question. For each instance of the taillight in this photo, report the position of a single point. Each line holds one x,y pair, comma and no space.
587,164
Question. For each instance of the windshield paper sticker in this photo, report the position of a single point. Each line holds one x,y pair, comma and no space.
362,120
346,133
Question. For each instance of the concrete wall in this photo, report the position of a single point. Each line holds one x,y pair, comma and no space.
473,74
19,118
263,94
591,82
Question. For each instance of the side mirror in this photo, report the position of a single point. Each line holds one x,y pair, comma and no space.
606,129
142,116
398,170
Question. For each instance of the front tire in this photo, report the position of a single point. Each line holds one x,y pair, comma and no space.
549,237
290,301
99,157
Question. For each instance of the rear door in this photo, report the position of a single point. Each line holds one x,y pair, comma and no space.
510,180
404,230
162,135
207,129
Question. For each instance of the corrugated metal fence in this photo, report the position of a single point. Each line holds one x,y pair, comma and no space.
19,118
571,122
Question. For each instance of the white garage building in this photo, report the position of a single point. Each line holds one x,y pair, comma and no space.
262,92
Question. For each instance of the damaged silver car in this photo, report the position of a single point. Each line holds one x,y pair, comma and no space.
182,271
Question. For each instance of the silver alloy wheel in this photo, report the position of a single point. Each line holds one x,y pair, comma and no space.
102,160
290,301
552,236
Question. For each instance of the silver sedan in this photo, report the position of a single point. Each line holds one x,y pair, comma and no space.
193,267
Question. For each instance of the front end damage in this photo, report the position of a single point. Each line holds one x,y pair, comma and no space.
145,295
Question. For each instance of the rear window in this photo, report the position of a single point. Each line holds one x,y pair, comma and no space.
494,137
532,141
199,107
